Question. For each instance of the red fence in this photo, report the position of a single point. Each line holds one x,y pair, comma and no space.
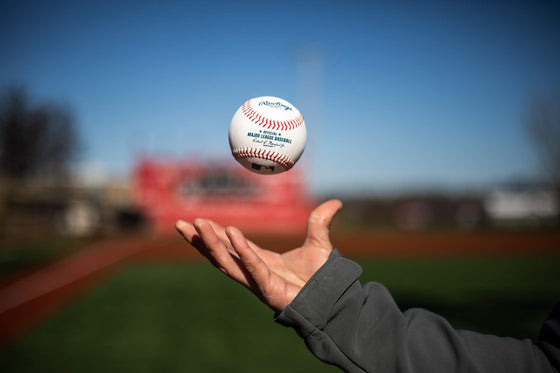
223,192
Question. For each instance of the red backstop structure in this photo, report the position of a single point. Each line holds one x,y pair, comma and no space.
223,192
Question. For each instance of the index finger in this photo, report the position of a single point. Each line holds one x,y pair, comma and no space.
212,247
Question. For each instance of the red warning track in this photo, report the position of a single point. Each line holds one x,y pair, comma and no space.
30,298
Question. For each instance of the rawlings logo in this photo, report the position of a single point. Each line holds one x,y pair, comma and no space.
277,105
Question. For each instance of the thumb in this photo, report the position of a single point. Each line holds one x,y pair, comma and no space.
318,224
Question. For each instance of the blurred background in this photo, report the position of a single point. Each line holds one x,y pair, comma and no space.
437,124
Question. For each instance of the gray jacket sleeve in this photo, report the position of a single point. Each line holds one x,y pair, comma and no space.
359,328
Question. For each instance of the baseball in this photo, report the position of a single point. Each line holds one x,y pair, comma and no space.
267,135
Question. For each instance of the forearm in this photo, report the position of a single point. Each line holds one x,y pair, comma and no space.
360,329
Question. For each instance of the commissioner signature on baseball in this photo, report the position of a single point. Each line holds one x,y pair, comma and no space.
268,143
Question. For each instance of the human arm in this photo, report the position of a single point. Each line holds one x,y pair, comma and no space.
359,328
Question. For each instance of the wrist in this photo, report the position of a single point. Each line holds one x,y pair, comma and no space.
316,299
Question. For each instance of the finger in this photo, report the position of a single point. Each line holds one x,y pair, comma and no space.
221,232
186,230
191,235
319,223
256,268
216,252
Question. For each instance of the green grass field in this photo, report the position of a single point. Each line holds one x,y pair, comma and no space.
190,318
32,253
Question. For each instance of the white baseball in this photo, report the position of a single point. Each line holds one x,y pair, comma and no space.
267,135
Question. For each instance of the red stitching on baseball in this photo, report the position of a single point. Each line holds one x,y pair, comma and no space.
256,118
286,162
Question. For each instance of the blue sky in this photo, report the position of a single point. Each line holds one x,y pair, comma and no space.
396,95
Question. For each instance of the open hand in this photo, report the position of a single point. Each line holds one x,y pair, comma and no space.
273,277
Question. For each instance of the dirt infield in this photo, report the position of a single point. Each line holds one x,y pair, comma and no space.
448,243
31,298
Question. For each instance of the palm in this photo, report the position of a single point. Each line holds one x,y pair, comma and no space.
275,278
290,271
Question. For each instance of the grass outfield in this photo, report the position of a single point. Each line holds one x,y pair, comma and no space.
190,318
33,253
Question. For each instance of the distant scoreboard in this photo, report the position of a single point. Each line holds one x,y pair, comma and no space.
223,192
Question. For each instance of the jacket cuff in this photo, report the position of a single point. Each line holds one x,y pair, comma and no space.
311,308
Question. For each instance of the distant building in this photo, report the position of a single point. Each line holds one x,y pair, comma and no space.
166,191
522,204
414,212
